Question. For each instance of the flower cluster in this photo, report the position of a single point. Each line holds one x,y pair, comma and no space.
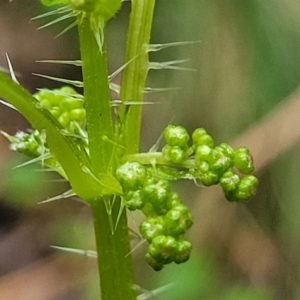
167,218
211,164
64,105
145,181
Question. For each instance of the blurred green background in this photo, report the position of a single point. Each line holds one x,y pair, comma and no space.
247,61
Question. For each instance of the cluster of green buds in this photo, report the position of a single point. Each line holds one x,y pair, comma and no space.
211,164
167,219
145,177
97,11
65,105
145,180
31,144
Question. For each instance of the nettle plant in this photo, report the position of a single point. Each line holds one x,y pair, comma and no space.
96,147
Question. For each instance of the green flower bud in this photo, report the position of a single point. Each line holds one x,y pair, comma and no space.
152,227
173,154
229,181
246,188
30,144
64,119
218,161
173,200
156,266
209,178
203,166
226,150
176,136
104,8
178,220
158,194
243,160
134,200
183,252
131,175
163,248
202,153
200,137
78,115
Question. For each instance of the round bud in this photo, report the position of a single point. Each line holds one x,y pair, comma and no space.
218,161
163,248
183,252
156,266
202,153
226,150
78,115
173,154
243,160
131,175
152,227
158,194
246,188
200,137
178,220
176,136
134,200
229,181
209,178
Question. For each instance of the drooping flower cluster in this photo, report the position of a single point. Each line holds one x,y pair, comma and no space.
167,218
147,188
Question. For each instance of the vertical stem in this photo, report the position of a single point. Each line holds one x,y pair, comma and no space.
134,76
114,263
96,98
115,269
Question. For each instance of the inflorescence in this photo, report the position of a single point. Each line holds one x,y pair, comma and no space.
146,178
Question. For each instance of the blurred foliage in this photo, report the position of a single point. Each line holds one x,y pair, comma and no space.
247,61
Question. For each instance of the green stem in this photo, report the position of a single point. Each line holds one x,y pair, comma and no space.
114,263
150,158
96,98
134,76
115,269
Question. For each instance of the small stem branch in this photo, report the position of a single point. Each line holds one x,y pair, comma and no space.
114,263
134,76
157,158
